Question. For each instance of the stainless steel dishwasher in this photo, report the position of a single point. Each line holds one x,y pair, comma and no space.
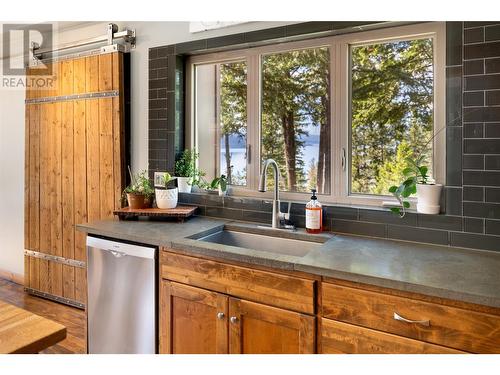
122,297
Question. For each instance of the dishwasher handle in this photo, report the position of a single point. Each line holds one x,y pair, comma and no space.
117,254
120,249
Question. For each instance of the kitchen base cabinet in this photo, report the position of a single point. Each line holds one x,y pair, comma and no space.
213,307
436,323
258,329
192,320
343,338
209,306
198,321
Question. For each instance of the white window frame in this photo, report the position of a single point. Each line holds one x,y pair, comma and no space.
339,47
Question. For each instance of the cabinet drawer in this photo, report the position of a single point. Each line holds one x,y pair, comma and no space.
343,338
449,326
284,291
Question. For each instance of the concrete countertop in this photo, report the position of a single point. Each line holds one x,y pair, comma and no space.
441,271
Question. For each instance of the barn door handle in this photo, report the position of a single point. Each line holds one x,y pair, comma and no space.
249,154
425,323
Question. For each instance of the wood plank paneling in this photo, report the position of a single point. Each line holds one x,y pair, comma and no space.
92,74
68,215
34,198
105,72
93,164
74,167
80,193
79,76
45,231
106,140
66,81
55,269
106,187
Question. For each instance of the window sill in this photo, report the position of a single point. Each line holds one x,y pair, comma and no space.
247,196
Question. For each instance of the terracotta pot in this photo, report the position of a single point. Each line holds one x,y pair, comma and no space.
148,201
136,201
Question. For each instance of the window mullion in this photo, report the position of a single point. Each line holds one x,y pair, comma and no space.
344,110
339,119
218,131
253,120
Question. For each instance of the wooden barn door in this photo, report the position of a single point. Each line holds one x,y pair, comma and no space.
74,169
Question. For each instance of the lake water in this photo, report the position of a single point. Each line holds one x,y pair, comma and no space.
238,157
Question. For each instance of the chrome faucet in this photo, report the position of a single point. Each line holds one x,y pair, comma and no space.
278,216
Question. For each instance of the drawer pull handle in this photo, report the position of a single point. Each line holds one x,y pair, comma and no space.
425,323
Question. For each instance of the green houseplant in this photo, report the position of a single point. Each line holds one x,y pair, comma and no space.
417,181
140,191
186,171
220,183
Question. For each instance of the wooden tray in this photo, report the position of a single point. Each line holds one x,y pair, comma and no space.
180,212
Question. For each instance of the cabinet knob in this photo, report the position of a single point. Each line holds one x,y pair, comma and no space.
220,315
233,319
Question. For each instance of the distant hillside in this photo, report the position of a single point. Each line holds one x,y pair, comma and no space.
239,142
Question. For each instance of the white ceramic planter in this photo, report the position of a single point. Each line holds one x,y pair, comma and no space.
222,193
166,198
184,184
428,197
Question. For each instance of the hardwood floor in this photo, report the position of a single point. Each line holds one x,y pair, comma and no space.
72,318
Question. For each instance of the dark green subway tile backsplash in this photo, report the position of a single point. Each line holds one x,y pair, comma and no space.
471,200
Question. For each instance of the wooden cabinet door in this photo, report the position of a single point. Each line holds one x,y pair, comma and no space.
192,320
260,329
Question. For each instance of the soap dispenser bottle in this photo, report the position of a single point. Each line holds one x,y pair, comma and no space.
314,215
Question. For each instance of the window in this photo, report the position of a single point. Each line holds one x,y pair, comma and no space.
221,118
295,119
392,99
339,114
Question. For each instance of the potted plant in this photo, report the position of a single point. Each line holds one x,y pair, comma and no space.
186,171
165,197
417,182
220,183
140,192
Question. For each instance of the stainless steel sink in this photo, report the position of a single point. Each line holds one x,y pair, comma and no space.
262,242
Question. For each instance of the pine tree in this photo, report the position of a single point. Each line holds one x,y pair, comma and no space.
392,102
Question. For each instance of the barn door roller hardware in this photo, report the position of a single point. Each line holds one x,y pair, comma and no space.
112,41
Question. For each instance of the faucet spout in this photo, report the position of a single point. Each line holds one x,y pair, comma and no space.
263,177
277,215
